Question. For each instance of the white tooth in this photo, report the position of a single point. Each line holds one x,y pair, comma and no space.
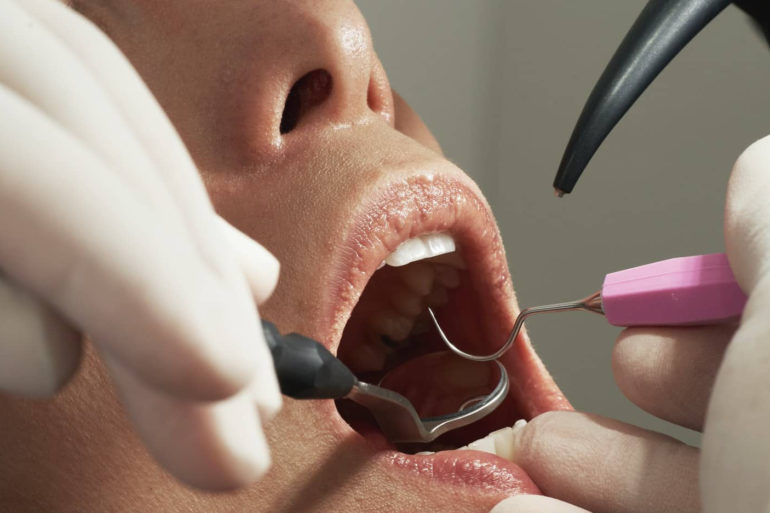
407,252
504,439
438,243
424,453
391,324
504,442
500,442
486,444
419,248
382,264
418,277
519,424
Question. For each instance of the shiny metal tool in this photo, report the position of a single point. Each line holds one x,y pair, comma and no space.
683,291
592,303
399,421
307,370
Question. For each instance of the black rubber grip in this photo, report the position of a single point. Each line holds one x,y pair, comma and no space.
305,368
663,28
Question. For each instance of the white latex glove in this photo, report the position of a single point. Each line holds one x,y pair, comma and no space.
535,504
735,469
106,230
677,374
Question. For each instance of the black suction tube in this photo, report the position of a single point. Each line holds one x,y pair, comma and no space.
662,29
305,368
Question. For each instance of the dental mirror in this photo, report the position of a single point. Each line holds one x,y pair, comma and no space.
431,395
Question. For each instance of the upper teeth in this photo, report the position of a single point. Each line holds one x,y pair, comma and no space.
400,308
420,248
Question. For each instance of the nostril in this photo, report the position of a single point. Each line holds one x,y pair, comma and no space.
373,98
379,96
308,92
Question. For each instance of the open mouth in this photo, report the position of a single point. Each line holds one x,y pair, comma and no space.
432,242
390,340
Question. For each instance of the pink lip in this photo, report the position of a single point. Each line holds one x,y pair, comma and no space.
419,204
482,471
426,203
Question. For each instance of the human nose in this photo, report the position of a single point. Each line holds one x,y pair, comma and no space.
331,76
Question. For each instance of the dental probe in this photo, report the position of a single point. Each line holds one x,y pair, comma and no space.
682,291
307,370
662,29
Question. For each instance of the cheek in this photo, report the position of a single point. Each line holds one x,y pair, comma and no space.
293,210
409,123
254,203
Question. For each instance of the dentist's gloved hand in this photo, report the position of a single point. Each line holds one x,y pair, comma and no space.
603,465
106,231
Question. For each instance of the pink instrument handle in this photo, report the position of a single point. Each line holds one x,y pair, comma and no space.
680,291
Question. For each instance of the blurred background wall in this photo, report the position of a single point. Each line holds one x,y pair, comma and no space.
501,83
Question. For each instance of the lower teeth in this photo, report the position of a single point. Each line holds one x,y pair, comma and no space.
500,442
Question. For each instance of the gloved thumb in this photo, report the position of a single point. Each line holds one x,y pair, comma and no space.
735,448
534,504
747,216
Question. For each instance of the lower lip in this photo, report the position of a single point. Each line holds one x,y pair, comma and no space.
482,471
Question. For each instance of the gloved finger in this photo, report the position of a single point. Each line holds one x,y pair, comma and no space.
670,372
96,122
39,350
261,269
606,466
736,449
73,234
174,167
138,110
258,264
534,504
214,446
747,216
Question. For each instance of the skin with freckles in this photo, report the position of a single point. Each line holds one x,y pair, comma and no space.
349,175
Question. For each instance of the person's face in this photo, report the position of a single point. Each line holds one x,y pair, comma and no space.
303,146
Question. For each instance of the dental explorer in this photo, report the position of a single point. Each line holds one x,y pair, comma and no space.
307,370
662,29
681,291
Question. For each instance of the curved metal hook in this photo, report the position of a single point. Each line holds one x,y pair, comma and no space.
592,303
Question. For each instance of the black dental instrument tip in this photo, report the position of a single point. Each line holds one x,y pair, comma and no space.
662,29
305,368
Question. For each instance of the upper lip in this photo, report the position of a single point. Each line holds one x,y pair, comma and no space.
407,207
